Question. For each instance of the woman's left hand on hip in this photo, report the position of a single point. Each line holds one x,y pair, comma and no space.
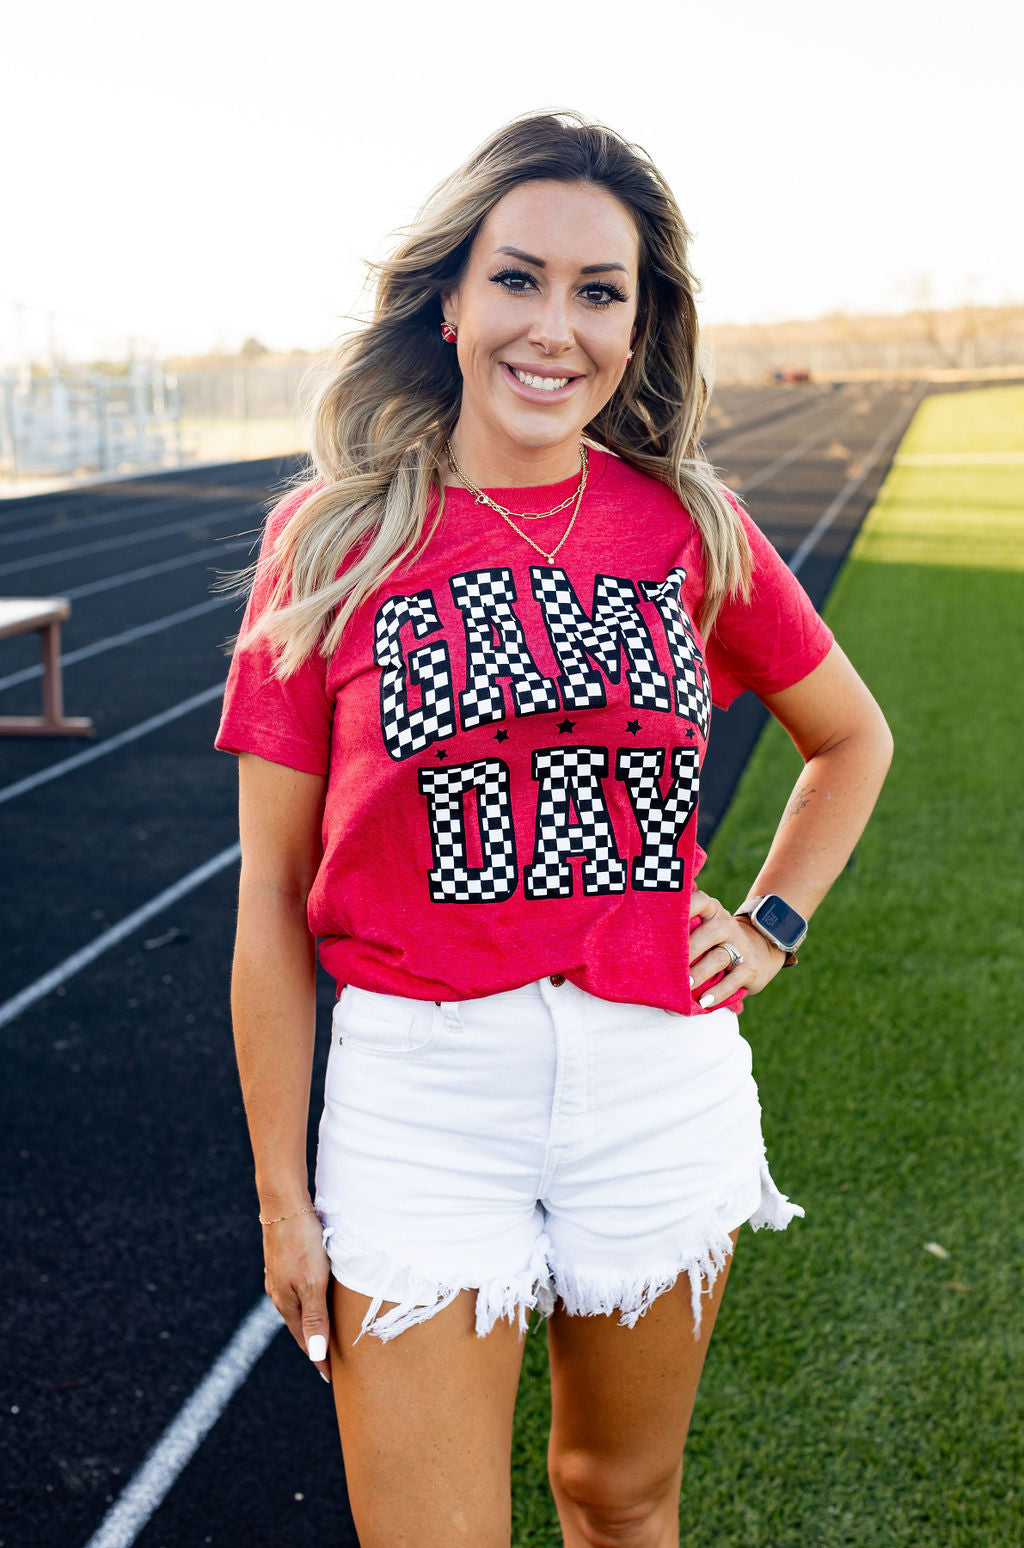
709,957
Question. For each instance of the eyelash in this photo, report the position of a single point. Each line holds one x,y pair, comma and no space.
613,291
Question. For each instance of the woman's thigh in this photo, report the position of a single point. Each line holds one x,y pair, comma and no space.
622,1398
426,1426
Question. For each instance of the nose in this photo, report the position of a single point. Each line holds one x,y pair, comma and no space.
551,329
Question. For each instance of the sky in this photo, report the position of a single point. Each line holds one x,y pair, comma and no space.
191,175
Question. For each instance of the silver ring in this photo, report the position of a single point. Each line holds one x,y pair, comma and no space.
735,957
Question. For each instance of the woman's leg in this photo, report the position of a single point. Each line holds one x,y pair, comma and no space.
426,1425
621,1400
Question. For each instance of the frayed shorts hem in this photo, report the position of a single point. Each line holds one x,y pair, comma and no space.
545,1279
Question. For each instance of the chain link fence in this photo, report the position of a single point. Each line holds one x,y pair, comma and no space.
60,426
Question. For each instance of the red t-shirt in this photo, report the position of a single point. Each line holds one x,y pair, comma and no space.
513,747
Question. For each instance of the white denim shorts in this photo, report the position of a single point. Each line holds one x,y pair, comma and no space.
535,1144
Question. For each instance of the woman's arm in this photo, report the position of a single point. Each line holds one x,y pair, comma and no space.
846,745
273,1006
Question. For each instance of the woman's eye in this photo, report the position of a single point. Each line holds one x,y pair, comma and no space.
603,295
514,280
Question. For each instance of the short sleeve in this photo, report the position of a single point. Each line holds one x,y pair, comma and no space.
288,721
771,641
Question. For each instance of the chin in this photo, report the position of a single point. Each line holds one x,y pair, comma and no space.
541,430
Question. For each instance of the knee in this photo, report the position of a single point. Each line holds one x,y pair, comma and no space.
614,1506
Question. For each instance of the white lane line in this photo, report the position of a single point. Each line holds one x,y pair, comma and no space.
148,509
146,571
184,1435
794,453
140,632
201,519
95,948
65,766
731,439
829,515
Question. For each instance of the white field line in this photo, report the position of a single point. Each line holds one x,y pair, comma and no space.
146,571
957,459
204,498
829,515
126,539
133,733
117,932
184,1435
140,632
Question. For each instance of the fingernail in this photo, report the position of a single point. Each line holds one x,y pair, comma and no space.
691,980
322,1377
316,1347
705,1000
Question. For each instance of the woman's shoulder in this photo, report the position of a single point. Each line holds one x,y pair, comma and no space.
288,503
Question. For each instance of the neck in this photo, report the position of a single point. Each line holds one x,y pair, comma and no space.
509,465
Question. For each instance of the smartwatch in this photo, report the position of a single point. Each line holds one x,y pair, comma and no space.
777,922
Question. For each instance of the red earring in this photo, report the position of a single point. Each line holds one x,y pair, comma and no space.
629,356
448,333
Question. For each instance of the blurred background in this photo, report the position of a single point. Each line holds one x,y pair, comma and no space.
192,192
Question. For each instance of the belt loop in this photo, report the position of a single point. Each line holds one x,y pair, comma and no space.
449,1012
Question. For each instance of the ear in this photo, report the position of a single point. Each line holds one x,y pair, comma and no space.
450,306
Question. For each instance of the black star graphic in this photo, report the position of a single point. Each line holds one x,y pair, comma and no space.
690,734
632,726
440,754
566,724
501,736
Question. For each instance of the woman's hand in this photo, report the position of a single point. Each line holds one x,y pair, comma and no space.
297,1274
708,957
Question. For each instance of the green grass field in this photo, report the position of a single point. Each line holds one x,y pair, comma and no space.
862,1389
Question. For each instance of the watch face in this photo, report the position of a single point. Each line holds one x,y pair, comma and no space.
781,921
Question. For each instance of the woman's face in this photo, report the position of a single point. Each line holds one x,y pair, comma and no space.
545,313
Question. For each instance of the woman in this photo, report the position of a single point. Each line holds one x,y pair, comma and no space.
471,698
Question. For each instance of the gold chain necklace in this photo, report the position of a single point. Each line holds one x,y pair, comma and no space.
506,515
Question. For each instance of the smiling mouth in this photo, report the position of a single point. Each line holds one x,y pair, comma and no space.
538,382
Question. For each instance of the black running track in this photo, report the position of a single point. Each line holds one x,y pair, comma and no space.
132,1247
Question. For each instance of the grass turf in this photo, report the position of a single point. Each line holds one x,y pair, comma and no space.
862,1389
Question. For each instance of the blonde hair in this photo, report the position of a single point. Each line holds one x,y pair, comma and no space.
389,395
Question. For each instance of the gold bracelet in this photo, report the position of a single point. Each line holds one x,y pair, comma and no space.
278,1218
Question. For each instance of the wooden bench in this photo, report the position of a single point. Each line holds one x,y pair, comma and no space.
20,615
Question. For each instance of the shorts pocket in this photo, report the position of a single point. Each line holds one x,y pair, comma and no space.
383,1023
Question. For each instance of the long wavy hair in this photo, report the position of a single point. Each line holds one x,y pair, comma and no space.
384,402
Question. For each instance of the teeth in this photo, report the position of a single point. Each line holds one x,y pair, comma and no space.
545,383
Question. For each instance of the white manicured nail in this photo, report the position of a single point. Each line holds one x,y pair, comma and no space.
705,1000
316,1348
327,1379
691,980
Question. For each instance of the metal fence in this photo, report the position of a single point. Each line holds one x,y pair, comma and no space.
64,424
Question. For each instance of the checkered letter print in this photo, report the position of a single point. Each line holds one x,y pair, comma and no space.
405,730
572,775
661,820
452,880
693,691
484,598
616,622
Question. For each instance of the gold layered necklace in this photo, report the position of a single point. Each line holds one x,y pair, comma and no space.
506,515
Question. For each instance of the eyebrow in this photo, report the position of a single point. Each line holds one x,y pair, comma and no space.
538,263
